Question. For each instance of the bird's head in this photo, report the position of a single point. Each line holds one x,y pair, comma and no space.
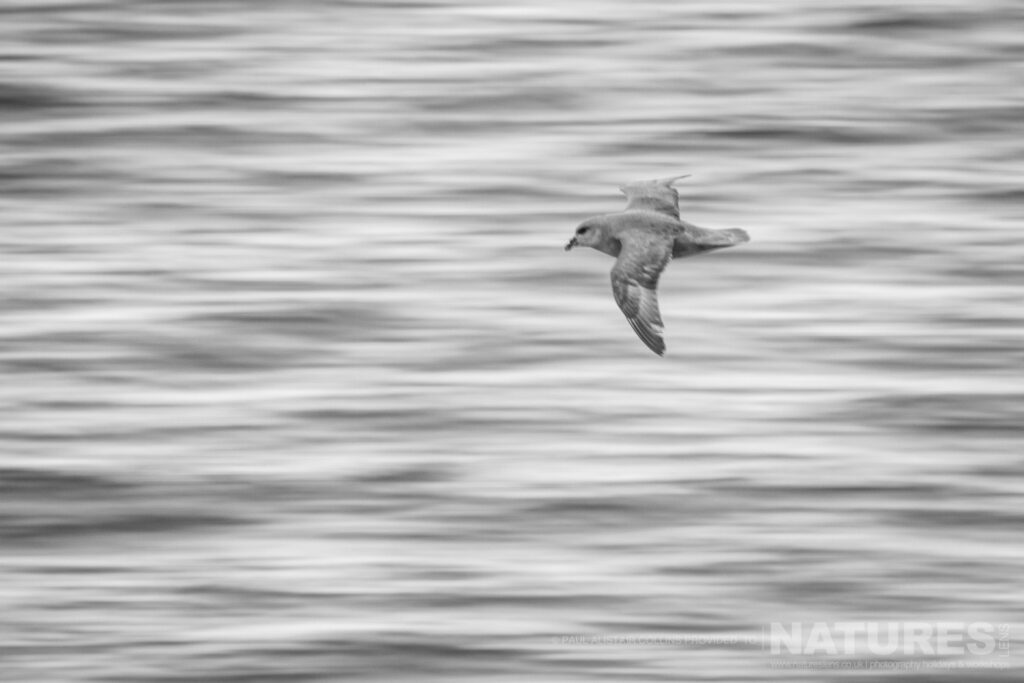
590,233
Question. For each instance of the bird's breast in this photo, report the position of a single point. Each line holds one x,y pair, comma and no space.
610,246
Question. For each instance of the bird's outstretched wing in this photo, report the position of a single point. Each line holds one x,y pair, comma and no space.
653,195
635,284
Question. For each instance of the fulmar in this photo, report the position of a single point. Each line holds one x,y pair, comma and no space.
644,237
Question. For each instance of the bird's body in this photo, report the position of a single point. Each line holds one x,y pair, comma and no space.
644,238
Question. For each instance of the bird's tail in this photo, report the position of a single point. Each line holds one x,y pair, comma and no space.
716,239
699,240
735,235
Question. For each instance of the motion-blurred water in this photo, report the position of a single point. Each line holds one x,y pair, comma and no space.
300,385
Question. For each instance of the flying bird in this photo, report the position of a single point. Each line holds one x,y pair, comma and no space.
643,238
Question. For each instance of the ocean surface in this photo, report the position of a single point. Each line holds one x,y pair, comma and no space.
299,384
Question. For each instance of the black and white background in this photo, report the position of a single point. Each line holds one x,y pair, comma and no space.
298,383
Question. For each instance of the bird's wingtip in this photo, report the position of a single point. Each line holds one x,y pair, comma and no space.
673,179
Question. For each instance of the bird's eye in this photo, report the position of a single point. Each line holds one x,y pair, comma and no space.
582,230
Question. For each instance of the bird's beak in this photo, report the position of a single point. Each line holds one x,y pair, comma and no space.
571,244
